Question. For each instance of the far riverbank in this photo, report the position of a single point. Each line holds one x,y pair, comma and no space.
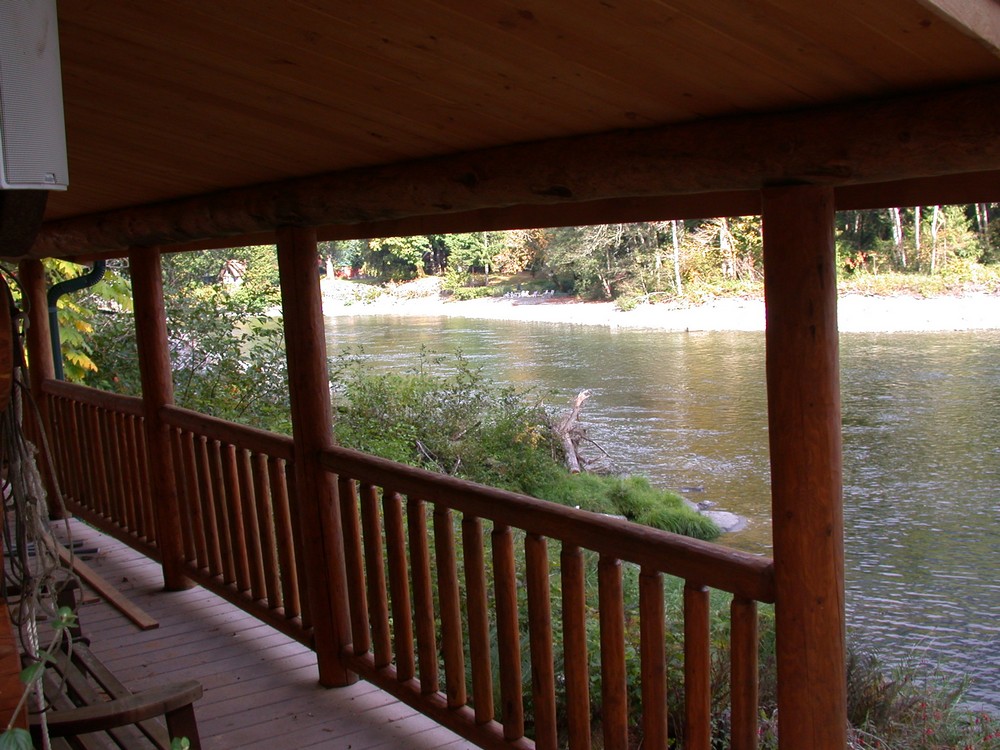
856,313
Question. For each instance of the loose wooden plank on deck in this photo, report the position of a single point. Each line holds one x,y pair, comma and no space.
108,592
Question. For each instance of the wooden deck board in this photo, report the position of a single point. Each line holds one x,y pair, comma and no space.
261,688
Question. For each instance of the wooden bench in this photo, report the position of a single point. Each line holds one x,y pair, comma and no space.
90,708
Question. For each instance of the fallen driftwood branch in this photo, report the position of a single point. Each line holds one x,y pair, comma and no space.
565,429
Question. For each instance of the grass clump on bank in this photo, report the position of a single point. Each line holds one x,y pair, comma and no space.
445,415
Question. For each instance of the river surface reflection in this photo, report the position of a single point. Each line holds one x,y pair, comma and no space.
688,410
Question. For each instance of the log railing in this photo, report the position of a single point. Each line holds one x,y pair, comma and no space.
238,516
234,484
474,605
99,445
461,594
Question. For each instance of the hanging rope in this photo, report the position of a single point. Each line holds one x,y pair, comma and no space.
33,573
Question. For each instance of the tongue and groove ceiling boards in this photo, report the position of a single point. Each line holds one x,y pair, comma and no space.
175,99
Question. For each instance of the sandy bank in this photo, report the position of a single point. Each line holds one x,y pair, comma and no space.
856,314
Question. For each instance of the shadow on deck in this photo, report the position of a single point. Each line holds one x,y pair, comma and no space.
261,688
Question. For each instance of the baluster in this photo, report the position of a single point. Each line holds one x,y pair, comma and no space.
697,669
743,673
237,534
575,657
451,610
543,681
214,530
143,522
219,506
109,442
284,538
265,523
116,423
98,442
378,599
479,624
62,437
399,587
614,688
183,498
188,464
85,447
508,633
301,577
251,525
354,561
423,599
76,471
145,487
653,670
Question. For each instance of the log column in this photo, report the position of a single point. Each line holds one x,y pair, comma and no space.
312,431
31,274
157,392
803,390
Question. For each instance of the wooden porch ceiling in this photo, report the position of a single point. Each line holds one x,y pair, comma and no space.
178,99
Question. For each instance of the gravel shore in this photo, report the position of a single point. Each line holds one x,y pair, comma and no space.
856,313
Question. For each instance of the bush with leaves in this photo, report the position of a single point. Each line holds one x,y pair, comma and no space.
227,352
447,416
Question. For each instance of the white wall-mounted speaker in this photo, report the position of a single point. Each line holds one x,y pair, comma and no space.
32,131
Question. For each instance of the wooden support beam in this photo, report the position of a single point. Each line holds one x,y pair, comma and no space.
41,365
312,432
157,392
911,137
803,391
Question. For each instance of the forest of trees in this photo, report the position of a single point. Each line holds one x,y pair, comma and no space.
646,259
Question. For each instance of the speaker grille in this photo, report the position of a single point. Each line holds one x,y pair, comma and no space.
32,139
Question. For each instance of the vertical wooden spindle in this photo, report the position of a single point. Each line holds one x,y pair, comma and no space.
653,660
423,597
451,610
399,585
743,673
614,687
697,669
479,623
354,559
543,680
508,633
575,656
234,513
378,598
251,526
284,537
265,525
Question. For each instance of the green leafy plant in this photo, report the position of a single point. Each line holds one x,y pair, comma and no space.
15,738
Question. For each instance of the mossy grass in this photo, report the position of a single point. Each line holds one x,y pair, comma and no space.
448,416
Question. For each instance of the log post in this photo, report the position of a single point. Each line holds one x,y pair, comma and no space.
32,276
41,365
803,389
312,431
157,392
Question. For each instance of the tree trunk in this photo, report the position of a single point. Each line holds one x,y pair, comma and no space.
935,226
564,429
677,255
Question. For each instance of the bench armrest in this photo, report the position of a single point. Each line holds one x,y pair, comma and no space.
132,709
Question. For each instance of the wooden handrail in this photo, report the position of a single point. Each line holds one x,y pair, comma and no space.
94,397
213,428
239,515
737,572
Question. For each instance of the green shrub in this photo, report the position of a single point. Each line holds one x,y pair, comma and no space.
447,416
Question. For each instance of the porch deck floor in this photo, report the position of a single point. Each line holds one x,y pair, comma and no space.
261,688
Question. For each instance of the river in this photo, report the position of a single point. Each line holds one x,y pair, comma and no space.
921,416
